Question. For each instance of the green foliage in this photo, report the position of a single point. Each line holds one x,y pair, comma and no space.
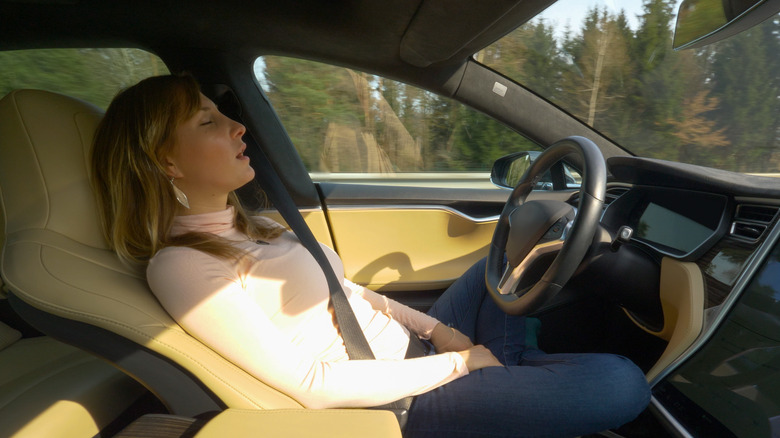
95,75
340,120
479,141
746,80
309,96
717,106
634,88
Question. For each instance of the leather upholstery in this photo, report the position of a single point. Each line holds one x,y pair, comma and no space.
303,423
56,260
8,336
47,387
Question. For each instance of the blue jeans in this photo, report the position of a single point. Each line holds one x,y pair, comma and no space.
535,394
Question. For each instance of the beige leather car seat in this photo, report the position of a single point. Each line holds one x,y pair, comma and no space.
64,279
49,389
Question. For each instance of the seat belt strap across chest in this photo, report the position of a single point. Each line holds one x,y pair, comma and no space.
344,317
354,340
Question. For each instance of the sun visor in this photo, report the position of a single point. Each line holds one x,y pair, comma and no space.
468,25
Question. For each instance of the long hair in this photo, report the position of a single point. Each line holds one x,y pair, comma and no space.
135,197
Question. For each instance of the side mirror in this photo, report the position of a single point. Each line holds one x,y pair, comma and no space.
702,22
508,170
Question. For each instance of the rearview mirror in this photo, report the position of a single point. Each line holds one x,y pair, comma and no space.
702,22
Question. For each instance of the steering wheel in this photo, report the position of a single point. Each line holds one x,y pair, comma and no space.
529,230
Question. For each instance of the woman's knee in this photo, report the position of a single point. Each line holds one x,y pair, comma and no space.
624,387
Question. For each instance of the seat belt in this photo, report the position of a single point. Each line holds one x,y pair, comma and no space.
346,322
354,340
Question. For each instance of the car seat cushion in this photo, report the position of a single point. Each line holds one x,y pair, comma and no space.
8,335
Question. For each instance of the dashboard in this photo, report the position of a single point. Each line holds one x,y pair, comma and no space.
726,224
714,218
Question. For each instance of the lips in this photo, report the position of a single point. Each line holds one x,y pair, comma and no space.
241,153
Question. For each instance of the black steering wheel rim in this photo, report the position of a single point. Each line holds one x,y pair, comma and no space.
578,239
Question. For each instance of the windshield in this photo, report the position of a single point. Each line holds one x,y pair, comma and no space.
611,65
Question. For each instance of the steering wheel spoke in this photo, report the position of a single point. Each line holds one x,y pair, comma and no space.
512,277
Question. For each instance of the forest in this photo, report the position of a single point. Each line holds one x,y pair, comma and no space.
718,106
94,75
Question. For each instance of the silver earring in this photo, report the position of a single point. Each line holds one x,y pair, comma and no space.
180,196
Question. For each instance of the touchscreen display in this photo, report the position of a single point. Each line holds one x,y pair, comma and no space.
666,227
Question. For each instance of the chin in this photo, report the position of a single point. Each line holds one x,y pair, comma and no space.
250,175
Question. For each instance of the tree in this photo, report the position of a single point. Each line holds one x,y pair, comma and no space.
309,97
659,83
697,134
479,140
543,67
746,77
598,69
95,75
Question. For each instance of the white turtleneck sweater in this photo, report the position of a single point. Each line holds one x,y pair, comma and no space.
269,315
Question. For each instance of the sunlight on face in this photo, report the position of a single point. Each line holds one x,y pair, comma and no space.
207,161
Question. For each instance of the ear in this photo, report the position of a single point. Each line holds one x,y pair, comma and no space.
171,169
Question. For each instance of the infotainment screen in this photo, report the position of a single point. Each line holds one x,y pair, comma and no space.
671,229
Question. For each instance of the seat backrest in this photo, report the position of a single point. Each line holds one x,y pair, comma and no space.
61,273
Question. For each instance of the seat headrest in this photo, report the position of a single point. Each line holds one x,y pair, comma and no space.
44,178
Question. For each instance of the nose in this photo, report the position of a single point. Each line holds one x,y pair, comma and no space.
238,129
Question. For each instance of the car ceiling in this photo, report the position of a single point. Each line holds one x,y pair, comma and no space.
397,37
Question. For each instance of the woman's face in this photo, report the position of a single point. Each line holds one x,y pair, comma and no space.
207,160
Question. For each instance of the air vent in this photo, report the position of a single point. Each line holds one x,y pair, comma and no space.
751,232
614,193
759,213
751,221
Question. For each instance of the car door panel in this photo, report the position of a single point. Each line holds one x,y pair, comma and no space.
410,247
314,218
406,239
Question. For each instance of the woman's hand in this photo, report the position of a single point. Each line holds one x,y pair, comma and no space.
446,339
478,357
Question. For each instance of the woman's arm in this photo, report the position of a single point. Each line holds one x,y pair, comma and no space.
419,323
206,298
442,337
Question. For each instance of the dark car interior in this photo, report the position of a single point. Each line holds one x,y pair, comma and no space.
86,350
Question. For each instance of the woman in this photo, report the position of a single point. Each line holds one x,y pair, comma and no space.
165,165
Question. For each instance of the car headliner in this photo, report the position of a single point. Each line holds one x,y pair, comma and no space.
395,37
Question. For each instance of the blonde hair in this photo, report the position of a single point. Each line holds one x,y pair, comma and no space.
136,201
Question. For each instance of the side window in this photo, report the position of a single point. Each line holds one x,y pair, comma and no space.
348,123
94,75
